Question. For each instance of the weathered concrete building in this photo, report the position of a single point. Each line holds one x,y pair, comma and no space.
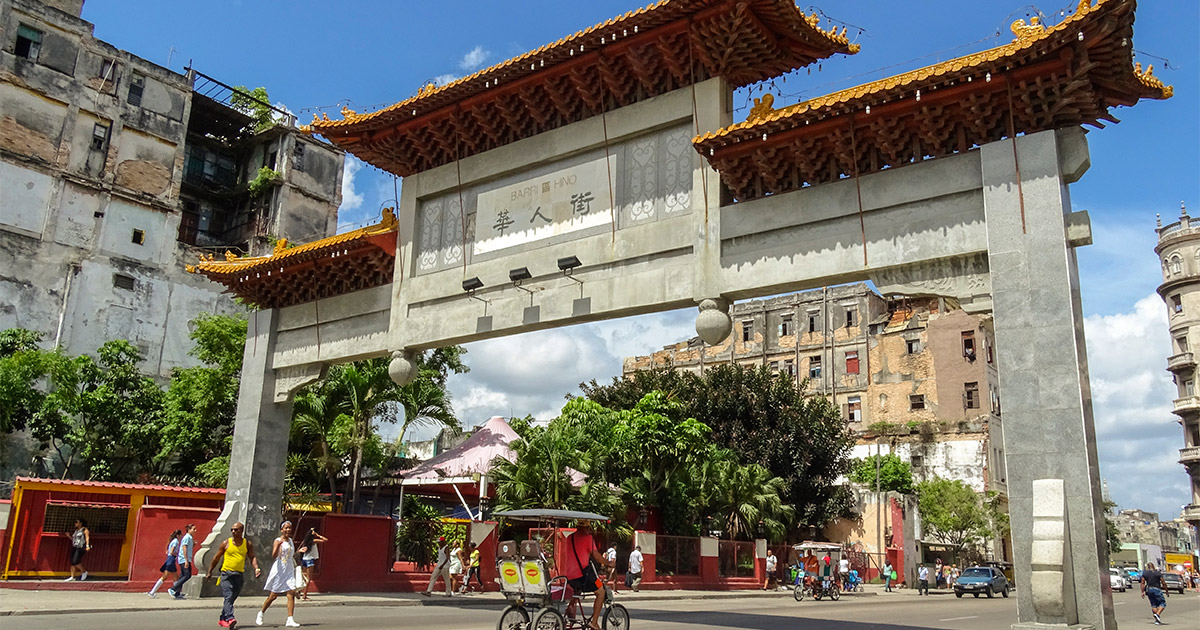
115,171
1179,251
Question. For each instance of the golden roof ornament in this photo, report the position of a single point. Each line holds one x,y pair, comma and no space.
230,256
280,245
762,107
1022,33
426,89
388,218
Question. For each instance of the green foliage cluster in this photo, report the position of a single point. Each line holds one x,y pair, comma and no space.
955,514
253,103
763,418
262,181
887,472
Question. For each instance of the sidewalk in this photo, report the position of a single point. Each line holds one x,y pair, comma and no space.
30,602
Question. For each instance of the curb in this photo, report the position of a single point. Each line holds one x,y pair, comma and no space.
394,602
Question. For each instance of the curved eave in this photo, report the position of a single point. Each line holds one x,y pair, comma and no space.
1126,85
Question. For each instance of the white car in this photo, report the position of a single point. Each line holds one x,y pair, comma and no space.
1117,580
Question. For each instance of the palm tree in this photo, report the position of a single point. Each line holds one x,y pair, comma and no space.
315,417
748,495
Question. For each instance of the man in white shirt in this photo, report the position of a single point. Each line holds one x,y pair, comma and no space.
634,575
771,563
610,557
923,580
441,569
843,571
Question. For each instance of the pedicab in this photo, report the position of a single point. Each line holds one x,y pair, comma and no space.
816,577
537,600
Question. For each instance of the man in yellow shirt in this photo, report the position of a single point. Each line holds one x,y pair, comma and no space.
234,550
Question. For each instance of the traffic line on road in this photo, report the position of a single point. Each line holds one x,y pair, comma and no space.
960,618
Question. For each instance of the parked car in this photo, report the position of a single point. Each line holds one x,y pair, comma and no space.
1117,580
1174,582
981,581
1133,574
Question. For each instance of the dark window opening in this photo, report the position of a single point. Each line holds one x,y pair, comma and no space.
99,137
1176,304
987,348
852,362
854,409
916,402
747,330
298,156
814,367
136,86
108,70
139,237
971,395
917,461
269,159
122,281
812,322
29,42
912,345
789,367
968,345
851,316
785,326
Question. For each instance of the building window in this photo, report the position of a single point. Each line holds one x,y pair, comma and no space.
995,401
968,344
1176,304
854,409
785,326
139,237
852,362
789,367
917,462
137,85
747,330
913,346
814,367
122,281
1176,266
916,402
29,42
1181,342
971,395
99,136
108,70
851,316
812,321
269,159
1189,387
298,156
987,350
774,366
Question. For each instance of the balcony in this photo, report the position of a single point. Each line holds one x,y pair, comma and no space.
1187,405
1181,361
1189,455
1191,513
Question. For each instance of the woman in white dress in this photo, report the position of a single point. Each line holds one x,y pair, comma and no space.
282,578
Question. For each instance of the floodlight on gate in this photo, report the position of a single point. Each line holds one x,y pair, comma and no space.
568,264
471,285
519,275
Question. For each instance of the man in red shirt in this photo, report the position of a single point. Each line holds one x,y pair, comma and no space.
582,576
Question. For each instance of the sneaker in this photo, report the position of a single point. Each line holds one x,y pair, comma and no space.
1157,619
425,593
258,619
69,579
172,593
180,595
233,624
291,623
222,623
83,577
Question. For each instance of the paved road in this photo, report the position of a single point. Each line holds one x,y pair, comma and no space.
867,613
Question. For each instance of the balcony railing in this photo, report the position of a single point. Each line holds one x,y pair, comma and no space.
1187,404
1181,361
1189,455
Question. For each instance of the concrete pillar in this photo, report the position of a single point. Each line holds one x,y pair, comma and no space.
1048,426
648,541
710,564
254,494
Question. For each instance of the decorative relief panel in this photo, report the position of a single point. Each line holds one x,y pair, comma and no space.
569,199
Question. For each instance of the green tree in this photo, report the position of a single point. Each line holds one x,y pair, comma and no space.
894,474
764,418
748,496
22,366
255,104
201,401
1112,535
953,513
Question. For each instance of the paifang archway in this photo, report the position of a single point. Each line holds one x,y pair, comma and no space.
612,154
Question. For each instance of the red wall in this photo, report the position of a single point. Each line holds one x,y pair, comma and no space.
152,534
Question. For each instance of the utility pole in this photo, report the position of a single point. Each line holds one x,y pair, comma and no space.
878,506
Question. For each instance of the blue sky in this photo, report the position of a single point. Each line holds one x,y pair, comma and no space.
371,54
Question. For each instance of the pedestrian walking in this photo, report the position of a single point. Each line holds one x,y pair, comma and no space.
1154,589
170,564
610,556
922,579
635,568
771,564
473,568
184,560
887,577
232,555
458,562
81,542
441,568
844,571
281,580
310,553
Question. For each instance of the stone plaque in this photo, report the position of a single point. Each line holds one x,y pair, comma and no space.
560,202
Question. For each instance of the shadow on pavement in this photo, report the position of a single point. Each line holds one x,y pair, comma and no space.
752,621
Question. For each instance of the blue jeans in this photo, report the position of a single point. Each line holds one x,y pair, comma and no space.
231,587
887,583
185,574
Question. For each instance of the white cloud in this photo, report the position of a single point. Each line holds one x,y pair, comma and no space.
474,59
443,79
1138,438
349,213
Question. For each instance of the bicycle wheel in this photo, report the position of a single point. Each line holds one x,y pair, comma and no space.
615,618
513,618
548,619
798,592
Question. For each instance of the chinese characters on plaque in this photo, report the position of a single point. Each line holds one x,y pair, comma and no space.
557,203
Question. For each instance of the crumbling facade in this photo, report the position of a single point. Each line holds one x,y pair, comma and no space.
1178,250
115,172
